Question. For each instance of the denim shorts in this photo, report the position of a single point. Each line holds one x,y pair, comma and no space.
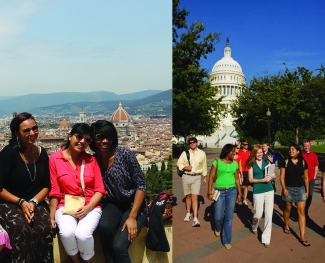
295,194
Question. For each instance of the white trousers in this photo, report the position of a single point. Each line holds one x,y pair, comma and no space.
77,235
260,200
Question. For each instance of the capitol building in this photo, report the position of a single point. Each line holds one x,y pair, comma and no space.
228,77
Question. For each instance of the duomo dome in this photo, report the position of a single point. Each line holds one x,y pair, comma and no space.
120,116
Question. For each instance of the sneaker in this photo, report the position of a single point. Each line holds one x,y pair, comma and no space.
267,245
245,202
187,217
196,223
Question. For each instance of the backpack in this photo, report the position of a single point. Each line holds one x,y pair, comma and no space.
286,162
181,172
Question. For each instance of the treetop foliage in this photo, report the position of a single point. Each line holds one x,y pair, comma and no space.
295,98
195,108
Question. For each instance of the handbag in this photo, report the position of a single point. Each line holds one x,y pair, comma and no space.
181,172
72,202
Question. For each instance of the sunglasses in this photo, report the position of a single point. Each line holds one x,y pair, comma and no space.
27,130
101,137
192,142
244,144
80,137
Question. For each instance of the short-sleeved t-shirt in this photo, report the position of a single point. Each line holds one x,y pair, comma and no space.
258,173
225,174
294,173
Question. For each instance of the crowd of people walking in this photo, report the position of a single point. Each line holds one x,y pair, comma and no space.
238,168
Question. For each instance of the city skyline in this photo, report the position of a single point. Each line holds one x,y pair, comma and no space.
82,46
265,36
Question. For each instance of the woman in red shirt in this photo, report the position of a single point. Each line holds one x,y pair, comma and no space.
76,231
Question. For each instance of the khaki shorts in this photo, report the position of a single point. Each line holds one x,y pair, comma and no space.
191,184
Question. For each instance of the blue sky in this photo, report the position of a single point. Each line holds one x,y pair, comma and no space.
121,46
264,34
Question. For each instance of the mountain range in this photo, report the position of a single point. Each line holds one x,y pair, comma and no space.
100,102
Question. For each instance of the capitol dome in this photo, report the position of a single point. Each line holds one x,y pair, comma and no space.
228,77
120,117
227,70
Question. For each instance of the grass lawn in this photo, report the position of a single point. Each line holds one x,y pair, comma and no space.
313,148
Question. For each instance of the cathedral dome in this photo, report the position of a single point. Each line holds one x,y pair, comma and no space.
64,123
120,115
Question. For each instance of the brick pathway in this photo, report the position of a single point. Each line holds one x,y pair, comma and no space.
198,244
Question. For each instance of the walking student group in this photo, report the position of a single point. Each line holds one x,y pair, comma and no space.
235,170
72,192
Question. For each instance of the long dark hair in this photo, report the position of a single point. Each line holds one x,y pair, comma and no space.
107,129
80,128
226,150
297,147
14,128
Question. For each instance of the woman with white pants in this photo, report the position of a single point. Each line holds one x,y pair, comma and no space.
66,168
263,193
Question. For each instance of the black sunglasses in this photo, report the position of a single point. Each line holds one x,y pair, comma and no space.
80,137
191,142
101,137
27,130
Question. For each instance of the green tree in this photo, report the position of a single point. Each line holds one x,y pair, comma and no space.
296,100
195,108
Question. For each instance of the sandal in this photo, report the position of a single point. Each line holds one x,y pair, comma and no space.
286,231
305,243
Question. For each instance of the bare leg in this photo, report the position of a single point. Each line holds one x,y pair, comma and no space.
301,219
286,214
194,205
245,192
75,258
188,203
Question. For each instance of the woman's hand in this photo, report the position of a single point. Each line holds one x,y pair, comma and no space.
285,191
238,201
210,197
53,223
132,227
82,212
267,178
28,210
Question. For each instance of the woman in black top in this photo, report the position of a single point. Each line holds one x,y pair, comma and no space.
24,185
294,182
124,208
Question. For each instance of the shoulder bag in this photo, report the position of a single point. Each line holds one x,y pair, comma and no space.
181,172
71,202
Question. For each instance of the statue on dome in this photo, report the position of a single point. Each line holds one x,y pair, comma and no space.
227,41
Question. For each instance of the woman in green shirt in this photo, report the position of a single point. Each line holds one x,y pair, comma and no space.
224,177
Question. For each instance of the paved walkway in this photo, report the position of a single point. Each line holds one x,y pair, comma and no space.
198,244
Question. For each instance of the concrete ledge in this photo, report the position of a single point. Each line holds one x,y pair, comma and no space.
138,251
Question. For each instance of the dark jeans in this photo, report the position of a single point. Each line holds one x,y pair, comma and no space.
310,197
113,218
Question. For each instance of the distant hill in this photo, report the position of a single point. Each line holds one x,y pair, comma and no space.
32,101
160,103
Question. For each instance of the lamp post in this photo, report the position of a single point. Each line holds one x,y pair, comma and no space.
268,114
